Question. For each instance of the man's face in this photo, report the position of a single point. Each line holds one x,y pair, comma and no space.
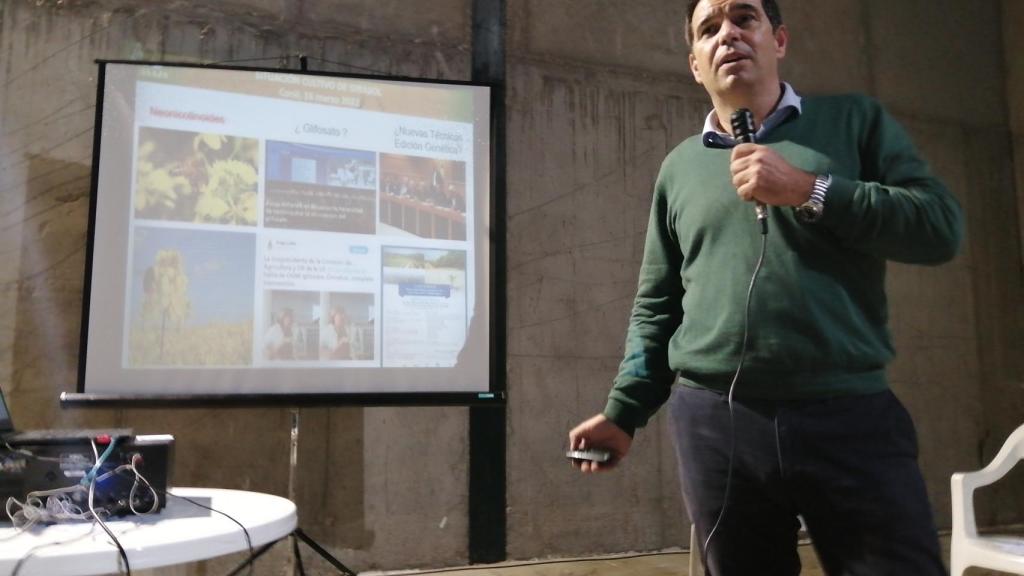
734,46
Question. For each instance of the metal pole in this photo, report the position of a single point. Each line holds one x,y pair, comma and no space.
293,454
487,425
294,562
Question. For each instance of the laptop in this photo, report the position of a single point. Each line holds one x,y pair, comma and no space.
11,437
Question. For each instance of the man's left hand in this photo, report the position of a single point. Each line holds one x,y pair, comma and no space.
763,175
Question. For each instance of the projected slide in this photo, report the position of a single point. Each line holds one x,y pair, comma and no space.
196,177
424,197
319,188
424,306
178,313
265,232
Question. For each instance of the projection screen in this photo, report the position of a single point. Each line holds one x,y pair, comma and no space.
264,232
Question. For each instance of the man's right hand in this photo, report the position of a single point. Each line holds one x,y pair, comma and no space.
599,433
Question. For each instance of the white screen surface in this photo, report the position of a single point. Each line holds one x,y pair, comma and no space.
261,233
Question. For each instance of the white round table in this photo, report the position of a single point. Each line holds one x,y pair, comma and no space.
180,533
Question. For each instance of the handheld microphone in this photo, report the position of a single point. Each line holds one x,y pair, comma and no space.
743,131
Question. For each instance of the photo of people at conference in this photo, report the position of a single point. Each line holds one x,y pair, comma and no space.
425,197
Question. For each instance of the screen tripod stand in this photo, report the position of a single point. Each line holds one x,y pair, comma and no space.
297,534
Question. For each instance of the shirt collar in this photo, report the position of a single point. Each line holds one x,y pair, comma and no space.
790,103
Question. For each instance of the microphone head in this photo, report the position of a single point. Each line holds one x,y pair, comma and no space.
743,125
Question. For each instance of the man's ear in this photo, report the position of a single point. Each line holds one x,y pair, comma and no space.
781,41
694,70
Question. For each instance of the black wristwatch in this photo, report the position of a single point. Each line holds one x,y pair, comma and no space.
812,210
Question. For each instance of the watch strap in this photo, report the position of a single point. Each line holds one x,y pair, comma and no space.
822,182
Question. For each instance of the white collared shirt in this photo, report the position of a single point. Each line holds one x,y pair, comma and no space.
790,103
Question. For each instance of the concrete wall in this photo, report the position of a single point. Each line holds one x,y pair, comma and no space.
1013,47
597,94
365,492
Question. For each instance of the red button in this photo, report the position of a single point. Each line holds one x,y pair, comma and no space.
103,439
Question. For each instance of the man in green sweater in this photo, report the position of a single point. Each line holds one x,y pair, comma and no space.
782,408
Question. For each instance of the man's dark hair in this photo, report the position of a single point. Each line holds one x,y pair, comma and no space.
771,9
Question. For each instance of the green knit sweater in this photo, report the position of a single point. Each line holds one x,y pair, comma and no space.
818,320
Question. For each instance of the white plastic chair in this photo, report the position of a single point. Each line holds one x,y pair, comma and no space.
1003,553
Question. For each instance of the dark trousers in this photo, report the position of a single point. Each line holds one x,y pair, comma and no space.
847,466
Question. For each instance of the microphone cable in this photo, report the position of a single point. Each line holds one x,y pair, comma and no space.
732,389
743,129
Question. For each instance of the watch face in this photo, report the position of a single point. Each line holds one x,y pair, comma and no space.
809,212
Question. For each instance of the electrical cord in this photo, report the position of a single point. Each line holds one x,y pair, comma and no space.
732,385
347,65
99,460
51,506
24,452
139,478
120,549
286,57
279,58
32,551
92,490
59,507
248,538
